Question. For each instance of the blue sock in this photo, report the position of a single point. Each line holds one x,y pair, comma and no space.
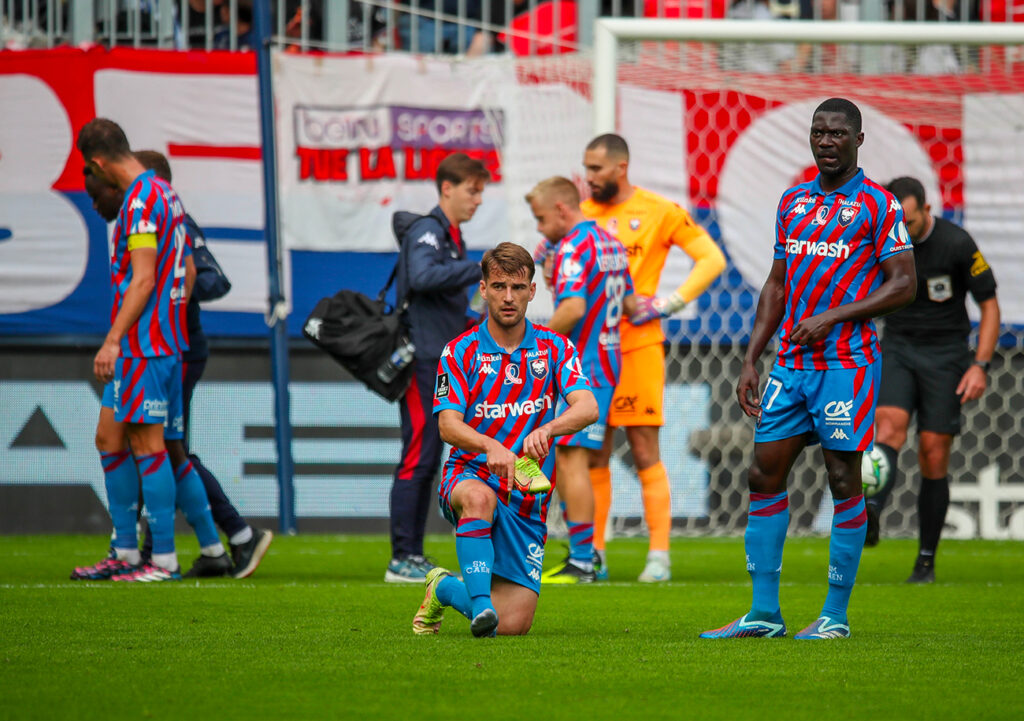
191,499
581,541
452,592
122,482
849,527
765,536
158,495
476,557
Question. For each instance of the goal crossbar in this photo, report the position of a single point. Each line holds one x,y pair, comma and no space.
610,32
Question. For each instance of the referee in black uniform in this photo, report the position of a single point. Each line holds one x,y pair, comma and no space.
926,365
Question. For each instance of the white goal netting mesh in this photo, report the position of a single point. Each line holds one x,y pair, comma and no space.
722,130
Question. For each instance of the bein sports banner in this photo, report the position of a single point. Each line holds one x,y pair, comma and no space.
360,137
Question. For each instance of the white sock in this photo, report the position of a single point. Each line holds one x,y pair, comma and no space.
168,561
243,536
213,550
129,555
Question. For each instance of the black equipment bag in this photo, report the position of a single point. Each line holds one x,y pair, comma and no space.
360,333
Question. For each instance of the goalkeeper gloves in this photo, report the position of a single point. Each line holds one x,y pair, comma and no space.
649,308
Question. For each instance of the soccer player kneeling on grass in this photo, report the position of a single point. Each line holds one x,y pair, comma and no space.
495,395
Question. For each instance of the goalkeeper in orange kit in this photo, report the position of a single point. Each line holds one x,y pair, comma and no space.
648,225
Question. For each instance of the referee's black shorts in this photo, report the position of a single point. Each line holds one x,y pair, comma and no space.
922,377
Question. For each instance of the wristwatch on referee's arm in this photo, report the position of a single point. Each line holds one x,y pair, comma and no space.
984,365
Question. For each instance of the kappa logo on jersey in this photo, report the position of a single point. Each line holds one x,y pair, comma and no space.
512,375
488,370
447,353
539,368
838,411
838,435
443,386
136,204
430,239
799,209
821,216
894,205
846,216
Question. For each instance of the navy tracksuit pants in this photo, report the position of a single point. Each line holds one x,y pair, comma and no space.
413,488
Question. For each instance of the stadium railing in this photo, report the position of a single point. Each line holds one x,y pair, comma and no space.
460,27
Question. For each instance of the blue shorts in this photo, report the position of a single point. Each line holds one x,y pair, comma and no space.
593,435
835,407
518,542
147,390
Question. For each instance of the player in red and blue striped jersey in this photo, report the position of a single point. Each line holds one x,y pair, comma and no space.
592,286
841,258
495,395
140,358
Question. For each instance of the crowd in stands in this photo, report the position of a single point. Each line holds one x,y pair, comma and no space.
523,27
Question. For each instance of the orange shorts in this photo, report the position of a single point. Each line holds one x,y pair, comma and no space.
638,399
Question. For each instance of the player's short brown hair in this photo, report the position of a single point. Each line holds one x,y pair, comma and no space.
459,167
104,138
155,161
614,145
510,259
555,189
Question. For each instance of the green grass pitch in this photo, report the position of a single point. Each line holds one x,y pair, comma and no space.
316,634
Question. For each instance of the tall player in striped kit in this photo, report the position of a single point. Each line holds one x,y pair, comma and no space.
841,258
592,288
495,395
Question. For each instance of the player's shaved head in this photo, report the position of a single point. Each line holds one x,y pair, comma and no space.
845,108
155,161
613,145
555,190
508,258
103,138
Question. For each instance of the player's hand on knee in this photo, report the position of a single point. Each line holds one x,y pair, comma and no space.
501,461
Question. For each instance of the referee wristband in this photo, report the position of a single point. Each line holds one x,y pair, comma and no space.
984,365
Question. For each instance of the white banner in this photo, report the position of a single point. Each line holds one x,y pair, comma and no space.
359,138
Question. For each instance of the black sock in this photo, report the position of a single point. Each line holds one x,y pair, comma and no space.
891,454
932,502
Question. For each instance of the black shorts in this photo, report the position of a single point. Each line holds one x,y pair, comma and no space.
923,377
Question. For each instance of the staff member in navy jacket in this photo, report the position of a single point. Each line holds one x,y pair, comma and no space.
433,275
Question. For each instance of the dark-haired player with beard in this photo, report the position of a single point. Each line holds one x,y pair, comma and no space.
648,225
841,258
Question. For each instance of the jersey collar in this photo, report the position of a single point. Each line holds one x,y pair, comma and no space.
489,345
847,189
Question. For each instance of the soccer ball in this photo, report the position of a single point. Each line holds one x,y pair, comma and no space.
874,472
